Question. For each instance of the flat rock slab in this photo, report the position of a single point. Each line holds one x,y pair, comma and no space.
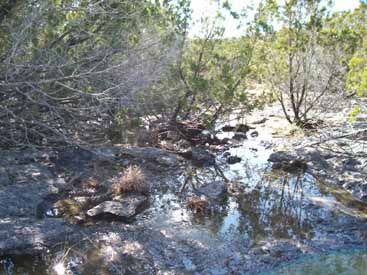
22,200
125,208
29,173
158,156
28,235
4,177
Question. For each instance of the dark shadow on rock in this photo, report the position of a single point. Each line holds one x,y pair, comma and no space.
34,236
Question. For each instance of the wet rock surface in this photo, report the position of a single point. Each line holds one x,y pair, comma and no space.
34,236
293,166
213,190
4,177
36,187
263,216
158,156
336,169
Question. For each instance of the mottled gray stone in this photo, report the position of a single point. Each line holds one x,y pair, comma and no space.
213,190
124,208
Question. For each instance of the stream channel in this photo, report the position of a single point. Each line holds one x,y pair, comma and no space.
271,222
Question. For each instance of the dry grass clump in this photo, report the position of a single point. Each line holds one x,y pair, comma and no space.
68,207
197,204
132,180
289,130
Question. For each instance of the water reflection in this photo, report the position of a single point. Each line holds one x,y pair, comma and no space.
275,208
261,204
23,264
354,263
269,204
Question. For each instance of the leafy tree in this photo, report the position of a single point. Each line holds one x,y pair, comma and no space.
302,70
69,67
212,71
357,77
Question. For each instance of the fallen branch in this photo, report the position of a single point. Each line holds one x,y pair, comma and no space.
336,137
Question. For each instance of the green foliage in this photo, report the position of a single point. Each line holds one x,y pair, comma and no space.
213,70
345,31
354,113
65,63
69,65
302,46
357,77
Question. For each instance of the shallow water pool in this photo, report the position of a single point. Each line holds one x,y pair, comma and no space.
344,263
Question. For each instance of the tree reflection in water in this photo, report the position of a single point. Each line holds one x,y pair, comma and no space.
269,205
274,208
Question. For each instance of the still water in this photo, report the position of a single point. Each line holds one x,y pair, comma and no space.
264,205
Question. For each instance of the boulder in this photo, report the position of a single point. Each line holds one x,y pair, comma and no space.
224,141
288,162
213,190
74,159
243,128
281,156
293,166
124,208
317,159
200,156
228,128
239,136
351,164
233,159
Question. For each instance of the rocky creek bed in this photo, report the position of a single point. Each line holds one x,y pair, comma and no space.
267,201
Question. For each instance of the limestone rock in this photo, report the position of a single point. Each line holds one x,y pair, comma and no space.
125,208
